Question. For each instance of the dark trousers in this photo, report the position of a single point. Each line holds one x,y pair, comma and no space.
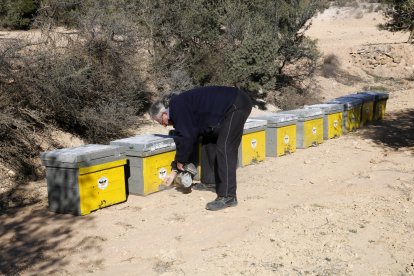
220,148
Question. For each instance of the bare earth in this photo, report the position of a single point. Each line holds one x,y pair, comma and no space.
345,207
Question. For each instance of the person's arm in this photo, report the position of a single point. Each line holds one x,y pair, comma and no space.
185,133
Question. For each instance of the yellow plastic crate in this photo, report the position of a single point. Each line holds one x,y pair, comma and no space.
155,168
351,116
280,133
332,121
334,128
149,159
380,107
286,140
380,103
367,111
311,132
101,185
309,127
83,179
253,144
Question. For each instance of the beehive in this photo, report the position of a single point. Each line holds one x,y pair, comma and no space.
367,111
149,161
379,104
280,133
351,116
309,127
332,120
83,179
253,143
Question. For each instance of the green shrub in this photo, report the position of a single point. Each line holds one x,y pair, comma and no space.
18,14
258,45
400,17
88,83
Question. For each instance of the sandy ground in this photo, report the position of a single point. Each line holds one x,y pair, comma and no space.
342,208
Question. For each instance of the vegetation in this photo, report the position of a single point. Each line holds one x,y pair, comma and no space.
400,15
217,42
17,14
85,82
90,78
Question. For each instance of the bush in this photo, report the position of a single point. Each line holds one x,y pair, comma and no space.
62,12
330,66
400,17
290,98
256,45
86,89
18,14
87,83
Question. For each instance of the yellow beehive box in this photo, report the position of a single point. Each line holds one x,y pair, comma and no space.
253,144
83,179
367,111
309,127
332,120
149,161
280,133
379,104
351,116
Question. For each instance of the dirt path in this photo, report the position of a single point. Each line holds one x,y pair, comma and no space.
344,207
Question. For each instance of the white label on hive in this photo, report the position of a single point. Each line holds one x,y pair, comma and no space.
335,124
314,130
254,143
103,183
286,139
162,173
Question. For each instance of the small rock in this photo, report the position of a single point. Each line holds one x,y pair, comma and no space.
11,173
307,162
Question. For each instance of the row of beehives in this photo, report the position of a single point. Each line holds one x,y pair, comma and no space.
83,179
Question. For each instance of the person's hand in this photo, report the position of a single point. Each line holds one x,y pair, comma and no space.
168,180
180,166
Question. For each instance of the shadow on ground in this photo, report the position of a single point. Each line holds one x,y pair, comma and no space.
36,241
396,131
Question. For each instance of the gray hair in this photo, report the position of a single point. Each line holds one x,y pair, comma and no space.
156,110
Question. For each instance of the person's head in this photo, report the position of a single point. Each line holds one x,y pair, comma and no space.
159,113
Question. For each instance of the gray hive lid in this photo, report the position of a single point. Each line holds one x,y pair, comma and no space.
327,108
145,144
82,154
363,96
254,123
277,118
347,102
305,114
376,94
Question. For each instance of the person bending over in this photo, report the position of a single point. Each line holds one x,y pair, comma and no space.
214,111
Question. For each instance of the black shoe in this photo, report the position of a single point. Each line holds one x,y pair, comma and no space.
221,203
204,187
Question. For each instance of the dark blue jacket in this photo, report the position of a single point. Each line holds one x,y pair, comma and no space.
195,112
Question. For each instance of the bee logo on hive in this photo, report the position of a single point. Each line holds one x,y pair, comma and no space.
103,183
